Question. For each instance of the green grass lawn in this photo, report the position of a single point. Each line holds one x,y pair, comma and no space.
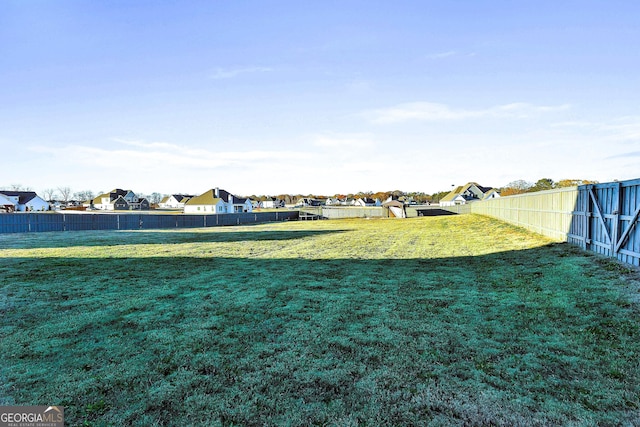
456,320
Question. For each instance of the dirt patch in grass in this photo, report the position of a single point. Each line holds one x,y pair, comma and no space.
457,320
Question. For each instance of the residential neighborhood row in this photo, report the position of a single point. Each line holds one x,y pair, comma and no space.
218,201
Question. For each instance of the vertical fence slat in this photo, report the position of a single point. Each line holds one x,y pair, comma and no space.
41,222
596,217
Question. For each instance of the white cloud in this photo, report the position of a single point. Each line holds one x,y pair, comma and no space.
164,156
621,129
430,111
147,145
625,155
356,141
441,55
450,54
222,73
624,128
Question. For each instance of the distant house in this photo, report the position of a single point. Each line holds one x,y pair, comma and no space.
174,201
346,201
217,201
272,202
22,201
308,201
6,204
119,199
367,201
491,194
468,193
393,198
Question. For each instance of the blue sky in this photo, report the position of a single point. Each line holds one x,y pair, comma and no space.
324,97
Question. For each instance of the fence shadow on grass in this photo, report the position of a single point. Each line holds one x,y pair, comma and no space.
506,338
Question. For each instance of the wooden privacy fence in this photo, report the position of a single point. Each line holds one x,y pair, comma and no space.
605,220
343,212
545,212
601,218
36,222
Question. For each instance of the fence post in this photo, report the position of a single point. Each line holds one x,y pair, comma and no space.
615,233
587,217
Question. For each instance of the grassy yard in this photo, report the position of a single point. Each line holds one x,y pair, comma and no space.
456,320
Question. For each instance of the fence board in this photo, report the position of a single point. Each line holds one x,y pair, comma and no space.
41,222
546,212
601,218
613,215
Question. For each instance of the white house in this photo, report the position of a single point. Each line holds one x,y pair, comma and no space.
367,201
6,204
24,201
308,201
174,201
491,194
119,199
217,201
467,193
271,203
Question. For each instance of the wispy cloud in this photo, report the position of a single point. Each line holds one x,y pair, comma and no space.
450,54
625,155
229,73
441,55
163,156
624,129
355,141
147,145
430,111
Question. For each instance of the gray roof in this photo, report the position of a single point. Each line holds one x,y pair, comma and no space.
24,197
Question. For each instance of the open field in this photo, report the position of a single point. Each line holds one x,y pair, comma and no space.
455,320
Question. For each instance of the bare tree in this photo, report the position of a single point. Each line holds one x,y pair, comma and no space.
65,193
155,198
83,196
49,194
20,187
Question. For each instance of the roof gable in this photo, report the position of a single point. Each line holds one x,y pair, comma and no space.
23,196
471,187
4,201
206,198
209,197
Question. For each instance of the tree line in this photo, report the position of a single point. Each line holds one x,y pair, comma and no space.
66,194
521,186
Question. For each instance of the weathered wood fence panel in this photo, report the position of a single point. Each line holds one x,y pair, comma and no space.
343,212
338,212
546,212
605,220
601,218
